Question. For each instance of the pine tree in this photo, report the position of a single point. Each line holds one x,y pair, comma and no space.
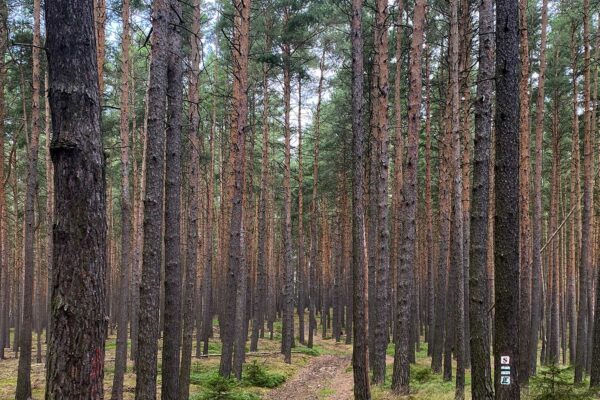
75,366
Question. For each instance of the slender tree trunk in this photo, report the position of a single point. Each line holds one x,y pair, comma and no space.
191,258
575,194
261,273
122,311
524,199
445,206
553,350
506,234
207,284
360,358
407,251
23,390
314,234
4,246
172,286
588,194
139,236
429,212
380,136
458,217
237,256
398,161
288,289
148,326
75,366
301,251
481,380
536,279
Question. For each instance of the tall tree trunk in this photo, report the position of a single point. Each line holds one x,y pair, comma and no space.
4,246
237,257
553,350
172,289
261,272
191,258
429,212
139,235
398,161
314,234
360,360
207,284
23,390
458,221
575,194
481,384
407,251
75,366
122,311
380,136
536,272
506,234
524,199
588,194
445,193
301,252
148,326
288,289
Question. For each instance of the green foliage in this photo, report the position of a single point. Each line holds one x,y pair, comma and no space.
420,374
555,383
220,388
256,375
308,351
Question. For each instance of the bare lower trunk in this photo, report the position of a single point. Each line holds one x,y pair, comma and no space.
122,312
506,234
407,264
380,136
23,390
360,360
193,172
75,366
148,326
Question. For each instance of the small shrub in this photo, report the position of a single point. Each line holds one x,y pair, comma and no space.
555,383
256,375
421,375
219,388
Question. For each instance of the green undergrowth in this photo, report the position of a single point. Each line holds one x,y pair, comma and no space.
218,388
256,378
257,375
556,383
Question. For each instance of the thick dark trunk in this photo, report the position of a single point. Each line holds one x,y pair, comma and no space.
506,234
75,365
172,286
481,375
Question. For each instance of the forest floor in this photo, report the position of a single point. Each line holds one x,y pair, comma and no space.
323,372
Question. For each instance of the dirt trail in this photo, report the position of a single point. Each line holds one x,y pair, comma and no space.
325,377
